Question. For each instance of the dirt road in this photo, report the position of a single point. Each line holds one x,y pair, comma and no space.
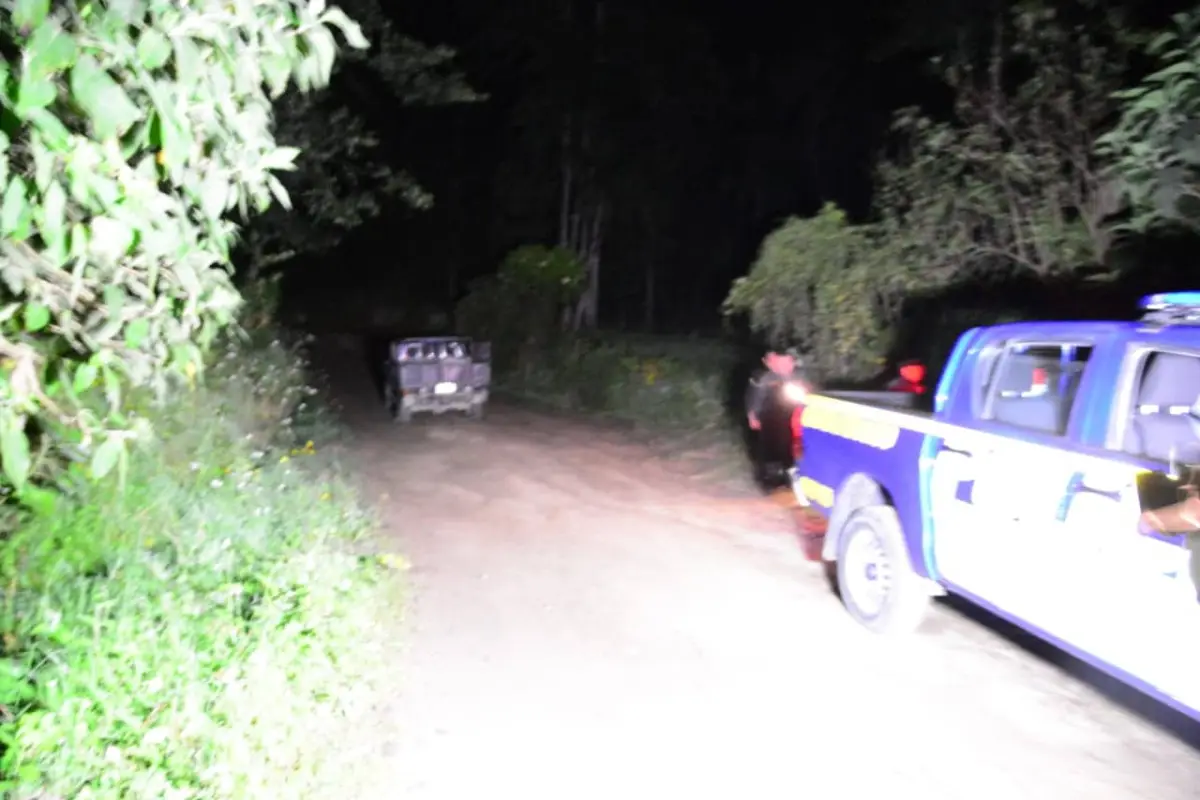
587,622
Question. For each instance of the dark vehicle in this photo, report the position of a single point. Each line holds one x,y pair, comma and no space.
436,374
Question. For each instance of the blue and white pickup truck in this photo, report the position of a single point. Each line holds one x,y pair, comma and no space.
1021,490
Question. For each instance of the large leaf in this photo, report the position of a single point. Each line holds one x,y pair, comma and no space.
50,49
106,456
35,91
350,29
110,238
153,48
37,316
29,14
15,209
111,111
54,215
14,448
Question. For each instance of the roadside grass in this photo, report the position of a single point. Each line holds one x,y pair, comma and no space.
632,380
220,628
681,395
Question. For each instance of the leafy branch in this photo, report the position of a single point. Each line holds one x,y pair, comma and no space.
133,131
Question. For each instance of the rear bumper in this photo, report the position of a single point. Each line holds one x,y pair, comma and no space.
438,403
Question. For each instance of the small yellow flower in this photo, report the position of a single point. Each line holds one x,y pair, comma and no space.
650,372
283,459
394,561
326,496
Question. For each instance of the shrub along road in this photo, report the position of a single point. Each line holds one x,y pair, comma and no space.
587,621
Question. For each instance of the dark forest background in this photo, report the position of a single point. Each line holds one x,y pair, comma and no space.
698,126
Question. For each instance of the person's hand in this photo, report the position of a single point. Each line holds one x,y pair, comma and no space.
752,421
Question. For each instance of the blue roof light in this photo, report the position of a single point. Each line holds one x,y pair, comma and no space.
1162,300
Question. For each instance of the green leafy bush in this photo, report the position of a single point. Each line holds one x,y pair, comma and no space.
520,308
212,631
134,133
1155,146
829,286
640,382
1010,183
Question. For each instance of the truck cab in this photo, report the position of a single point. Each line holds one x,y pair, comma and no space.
1021,491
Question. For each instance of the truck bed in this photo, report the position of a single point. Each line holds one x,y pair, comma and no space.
890,401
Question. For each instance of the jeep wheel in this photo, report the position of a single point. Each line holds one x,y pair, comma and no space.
875,577
389,399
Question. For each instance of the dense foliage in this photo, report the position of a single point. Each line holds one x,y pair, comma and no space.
1019,181
662,384
342,177
523,308
132,132
1013,181
1155,147
208,632
828,284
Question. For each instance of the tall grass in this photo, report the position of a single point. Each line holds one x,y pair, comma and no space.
667,384
217,628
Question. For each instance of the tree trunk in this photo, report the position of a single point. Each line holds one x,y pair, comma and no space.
586,242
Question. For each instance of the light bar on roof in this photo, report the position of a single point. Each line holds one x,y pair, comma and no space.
1164,300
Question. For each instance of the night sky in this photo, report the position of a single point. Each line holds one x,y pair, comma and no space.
709,122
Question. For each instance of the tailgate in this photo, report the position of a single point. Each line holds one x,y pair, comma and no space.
456,372
419,376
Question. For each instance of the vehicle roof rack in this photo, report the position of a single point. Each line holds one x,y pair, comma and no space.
1171,308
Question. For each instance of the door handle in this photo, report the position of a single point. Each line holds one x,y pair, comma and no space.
1079,485
944,448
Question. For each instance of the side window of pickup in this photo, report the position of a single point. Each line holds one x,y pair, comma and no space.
1162,418
1033,386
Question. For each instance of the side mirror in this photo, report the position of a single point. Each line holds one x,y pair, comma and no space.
481,351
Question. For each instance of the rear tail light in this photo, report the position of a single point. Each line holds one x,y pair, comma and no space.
797,431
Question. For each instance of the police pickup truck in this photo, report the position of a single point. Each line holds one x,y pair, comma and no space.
1021,490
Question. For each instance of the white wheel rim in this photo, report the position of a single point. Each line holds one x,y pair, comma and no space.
868,573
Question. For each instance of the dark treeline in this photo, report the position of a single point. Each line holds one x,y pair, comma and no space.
665,140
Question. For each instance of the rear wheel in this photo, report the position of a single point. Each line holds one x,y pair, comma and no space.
403,414
476,411
389,399
875,577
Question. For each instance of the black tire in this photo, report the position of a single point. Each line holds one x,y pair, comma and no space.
476,412
403,415
873,542
389,400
